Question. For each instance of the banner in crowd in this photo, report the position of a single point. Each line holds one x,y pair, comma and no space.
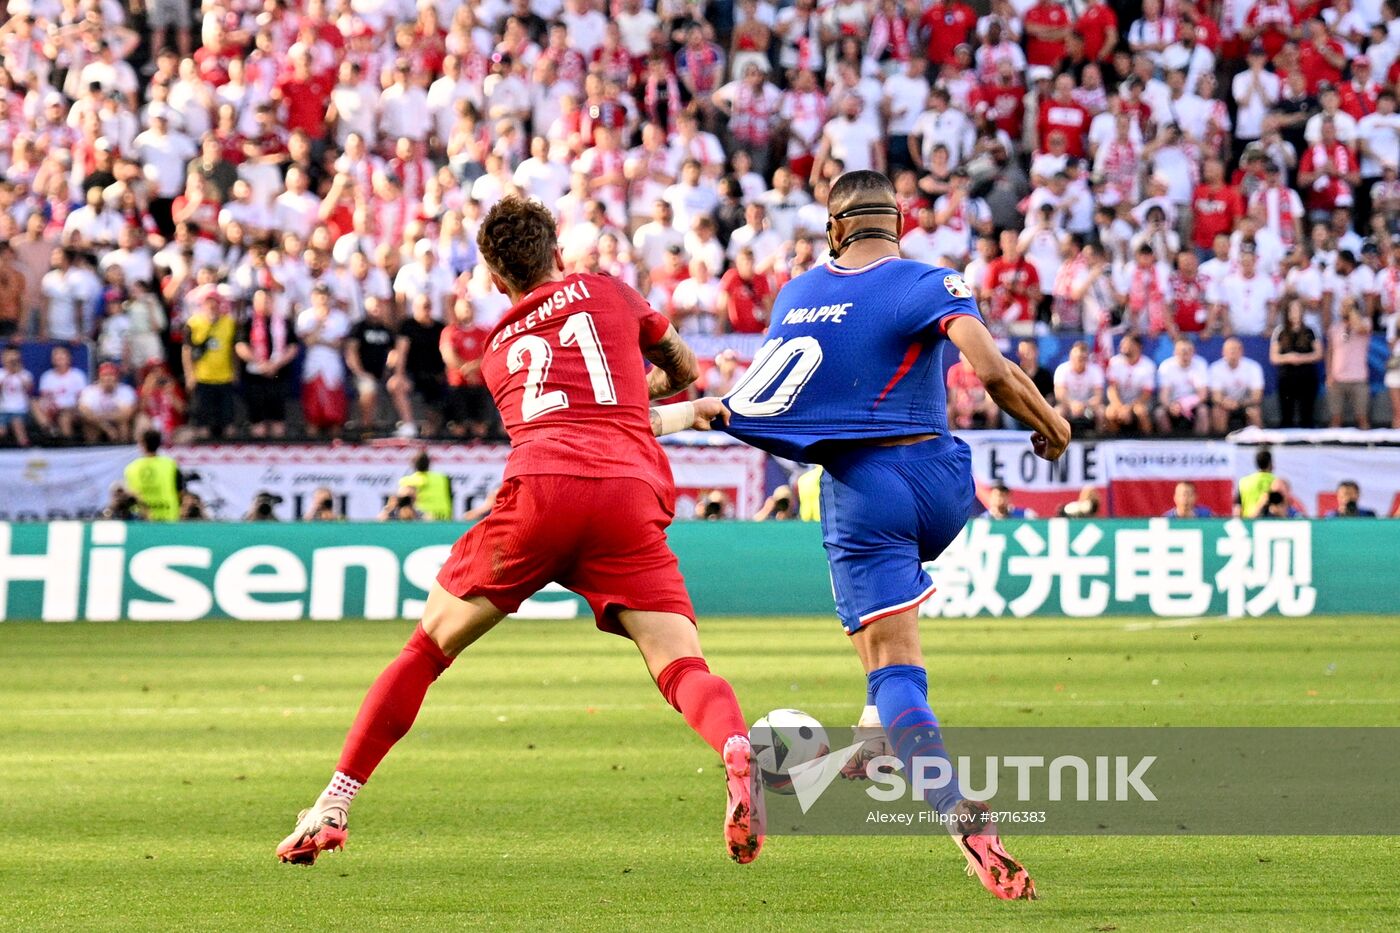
41,484
1142,475
1134,479
103,571
1005,457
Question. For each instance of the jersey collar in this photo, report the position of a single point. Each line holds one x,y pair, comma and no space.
832,266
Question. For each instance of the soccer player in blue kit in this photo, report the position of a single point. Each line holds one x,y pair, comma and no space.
851,378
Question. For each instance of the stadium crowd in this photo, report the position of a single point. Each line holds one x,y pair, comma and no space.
224,209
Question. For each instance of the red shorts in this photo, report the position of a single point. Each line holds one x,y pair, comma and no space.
605,539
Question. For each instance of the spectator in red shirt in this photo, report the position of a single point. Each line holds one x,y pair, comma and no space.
470,411
1003,101
1062,112
1270,22
1046,26
306,96
968,401
1359,95
1215,206
1098,25
745,297
1012,286
945,26
1320,57
1186,293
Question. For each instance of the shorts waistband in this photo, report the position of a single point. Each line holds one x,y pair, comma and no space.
867,453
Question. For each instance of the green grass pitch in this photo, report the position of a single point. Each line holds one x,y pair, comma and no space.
147,771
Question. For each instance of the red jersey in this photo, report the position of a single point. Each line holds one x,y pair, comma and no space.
1069,118
1216,208
1188,300
306,104
746,312
1004,104
1359,100
469,343
1093,24
566,370
947,26
1045,51
1010,284
1316,68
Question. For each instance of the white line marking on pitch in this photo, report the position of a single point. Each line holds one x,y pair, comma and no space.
1177,623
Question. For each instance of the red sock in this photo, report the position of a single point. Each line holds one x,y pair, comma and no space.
706,701
391,705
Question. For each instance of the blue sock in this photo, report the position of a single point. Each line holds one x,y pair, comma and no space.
900,692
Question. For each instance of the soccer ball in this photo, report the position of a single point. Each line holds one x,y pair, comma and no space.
782,740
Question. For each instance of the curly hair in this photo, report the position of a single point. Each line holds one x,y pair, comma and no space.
517,240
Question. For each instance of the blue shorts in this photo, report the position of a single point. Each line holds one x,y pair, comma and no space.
885,511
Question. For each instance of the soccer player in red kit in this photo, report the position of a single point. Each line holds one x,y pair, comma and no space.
585,501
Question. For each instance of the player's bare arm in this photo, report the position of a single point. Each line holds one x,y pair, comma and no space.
674,366
1011,388
698,415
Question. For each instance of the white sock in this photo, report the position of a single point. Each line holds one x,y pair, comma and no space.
869,718
342,785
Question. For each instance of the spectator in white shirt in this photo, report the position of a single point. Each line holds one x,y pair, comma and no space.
425,276
1079,385
1255,90
64,296
94,225
695,302
107,408
1236,389
403,106
755,234
56,409
1247,299
653,239
1182,388
1132,383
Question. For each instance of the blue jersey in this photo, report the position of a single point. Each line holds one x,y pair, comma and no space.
851,355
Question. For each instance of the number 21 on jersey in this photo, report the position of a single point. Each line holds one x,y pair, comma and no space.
534,354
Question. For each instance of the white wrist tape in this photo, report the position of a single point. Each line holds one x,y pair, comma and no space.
677,417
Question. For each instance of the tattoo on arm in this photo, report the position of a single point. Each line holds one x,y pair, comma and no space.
655,421
675,366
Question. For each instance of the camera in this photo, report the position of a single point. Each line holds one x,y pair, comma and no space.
262,507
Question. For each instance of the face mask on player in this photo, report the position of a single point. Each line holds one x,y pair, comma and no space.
869,233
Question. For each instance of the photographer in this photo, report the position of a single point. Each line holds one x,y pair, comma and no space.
323,507
1349,502
402,507
192,507
121,505
779,507
261,510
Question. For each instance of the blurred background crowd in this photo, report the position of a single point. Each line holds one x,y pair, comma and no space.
256,218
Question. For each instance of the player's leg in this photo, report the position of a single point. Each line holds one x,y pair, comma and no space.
387,713
491,570
882,517
633,583
671,648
